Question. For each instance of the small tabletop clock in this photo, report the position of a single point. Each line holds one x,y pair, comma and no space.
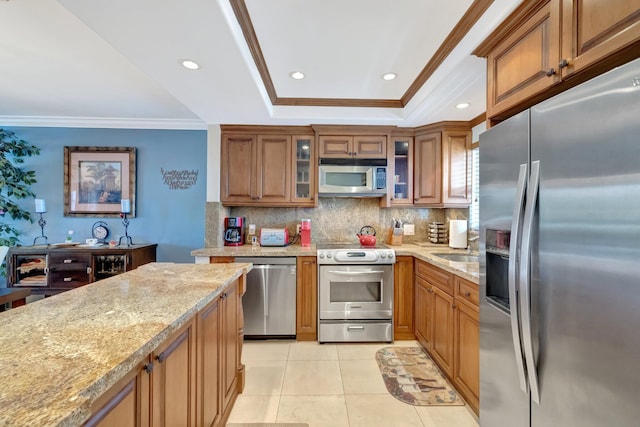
100,231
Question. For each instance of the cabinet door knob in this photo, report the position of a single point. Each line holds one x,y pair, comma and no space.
161,357
148,367
563,63
453,305
551,72
467,294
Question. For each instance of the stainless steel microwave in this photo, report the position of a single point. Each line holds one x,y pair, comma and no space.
352,178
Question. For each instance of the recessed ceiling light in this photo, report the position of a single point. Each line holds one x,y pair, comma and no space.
462,105
192,65
389,76
298,75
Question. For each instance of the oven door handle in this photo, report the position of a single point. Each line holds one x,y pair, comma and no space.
355,273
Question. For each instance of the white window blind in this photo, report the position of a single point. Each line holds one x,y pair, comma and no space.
474,209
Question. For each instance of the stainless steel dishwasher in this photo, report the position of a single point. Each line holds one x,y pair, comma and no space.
269,303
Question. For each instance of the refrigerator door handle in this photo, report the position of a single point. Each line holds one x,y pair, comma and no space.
514,245
525,280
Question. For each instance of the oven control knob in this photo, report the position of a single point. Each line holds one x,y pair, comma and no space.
321,255
328,255
383,255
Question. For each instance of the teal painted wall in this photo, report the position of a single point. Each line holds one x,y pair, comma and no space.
174,219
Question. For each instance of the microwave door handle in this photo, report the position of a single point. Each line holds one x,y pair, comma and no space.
525,280
514,245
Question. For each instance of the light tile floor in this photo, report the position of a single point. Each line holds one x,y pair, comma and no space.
329,385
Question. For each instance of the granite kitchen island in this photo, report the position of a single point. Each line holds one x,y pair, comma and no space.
64,357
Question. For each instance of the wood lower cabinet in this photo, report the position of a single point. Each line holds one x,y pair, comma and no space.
547,42
403,299
447,326
423,312
209,397
173,383
467,347
306,298
442,168
229,345
126,404
191,379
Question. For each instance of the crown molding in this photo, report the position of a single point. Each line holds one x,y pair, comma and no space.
102,122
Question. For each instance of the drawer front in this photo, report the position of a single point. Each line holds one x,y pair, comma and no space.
435,276
68,279
69,262
467,291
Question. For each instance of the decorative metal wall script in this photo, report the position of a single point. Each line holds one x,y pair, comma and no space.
179,179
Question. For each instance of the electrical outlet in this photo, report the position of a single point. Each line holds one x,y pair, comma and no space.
298,228
252,229
409,229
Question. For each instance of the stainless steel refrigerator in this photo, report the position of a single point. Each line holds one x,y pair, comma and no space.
560,260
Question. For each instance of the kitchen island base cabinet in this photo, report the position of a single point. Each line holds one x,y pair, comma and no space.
189,380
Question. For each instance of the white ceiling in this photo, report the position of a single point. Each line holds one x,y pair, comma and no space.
117,63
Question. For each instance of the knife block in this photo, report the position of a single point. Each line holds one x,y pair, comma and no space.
394,239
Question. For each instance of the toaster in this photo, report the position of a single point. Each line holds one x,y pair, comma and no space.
274,237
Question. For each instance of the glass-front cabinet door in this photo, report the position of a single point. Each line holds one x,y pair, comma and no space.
304,167
403,170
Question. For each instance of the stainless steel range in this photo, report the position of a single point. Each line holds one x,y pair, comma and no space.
355,293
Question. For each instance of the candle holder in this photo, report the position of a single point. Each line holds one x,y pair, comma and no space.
126,236
41,223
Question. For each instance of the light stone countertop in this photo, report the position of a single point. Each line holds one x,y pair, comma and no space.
423,251
59,354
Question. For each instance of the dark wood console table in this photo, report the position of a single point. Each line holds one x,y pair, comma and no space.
49,270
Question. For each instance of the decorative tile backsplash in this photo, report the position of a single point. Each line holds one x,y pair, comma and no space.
334,220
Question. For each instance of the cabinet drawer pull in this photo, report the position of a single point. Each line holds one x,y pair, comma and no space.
67,261
161,357
67,279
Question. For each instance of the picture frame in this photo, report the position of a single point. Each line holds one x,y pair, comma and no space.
97,179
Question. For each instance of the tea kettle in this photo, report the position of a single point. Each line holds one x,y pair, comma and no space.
367,236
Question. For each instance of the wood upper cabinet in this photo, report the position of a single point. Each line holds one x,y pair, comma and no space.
256,169
427,179
403,298
525,63
307,298
353,146
544,42
593,30
442,165
400,163
267,166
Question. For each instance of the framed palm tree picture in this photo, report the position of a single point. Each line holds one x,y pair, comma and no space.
97,179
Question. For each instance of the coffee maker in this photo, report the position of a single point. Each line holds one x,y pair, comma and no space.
234,231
